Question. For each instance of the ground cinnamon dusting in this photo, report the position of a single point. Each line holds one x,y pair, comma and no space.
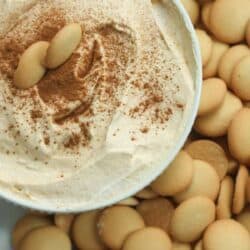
46,140
35,114
73,141
94,72
13,45
144,130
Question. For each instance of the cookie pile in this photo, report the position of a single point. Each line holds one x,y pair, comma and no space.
200,201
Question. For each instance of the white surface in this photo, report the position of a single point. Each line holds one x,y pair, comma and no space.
8,217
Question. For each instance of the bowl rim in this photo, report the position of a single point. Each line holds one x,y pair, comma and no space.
31,204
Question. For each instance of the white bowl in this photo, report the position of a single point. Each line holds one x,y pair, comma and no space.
182,28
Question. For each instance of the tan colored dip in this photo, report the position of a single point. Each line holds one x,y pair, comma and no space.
117,106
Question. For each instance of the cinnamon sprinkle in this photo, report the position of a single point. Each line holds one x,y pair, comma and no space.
89,75
144,130
35,114
12,46
46,140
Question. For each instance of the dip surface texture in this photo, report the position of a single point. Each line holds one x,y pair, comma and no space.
115,108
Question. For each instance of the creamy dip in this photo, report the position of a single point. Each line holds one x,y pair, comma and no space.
118,105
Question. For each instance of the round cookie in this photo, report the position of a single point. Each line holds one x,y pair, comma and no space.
208,104
217,123
181,246
211,68
116,223
248,34
183,228
229,60
131,201
177,176
211,152
226,235
192,8
198,245
63,44
205,13
147,239
239,199
84,231
228,20
156,212
146,194
30,69
64,221
205,182
206,45
244,218
26,224
239,136
46,238
225,199
241,79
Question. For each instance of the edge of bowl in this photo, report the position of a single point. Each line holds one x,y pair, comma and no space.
172,154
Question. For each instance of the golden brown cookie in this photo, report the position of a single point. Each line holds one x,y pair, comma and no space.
63,45
208,104
206,45
31,68
192,8
217,123
229,60
46,238
239,136
205,13
241,79
27,224
156,212
116,223
226,235
211,68
225,199
244,218
228,20
210,152
84,231
177,176
200,209
148,239
239,199
205,182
